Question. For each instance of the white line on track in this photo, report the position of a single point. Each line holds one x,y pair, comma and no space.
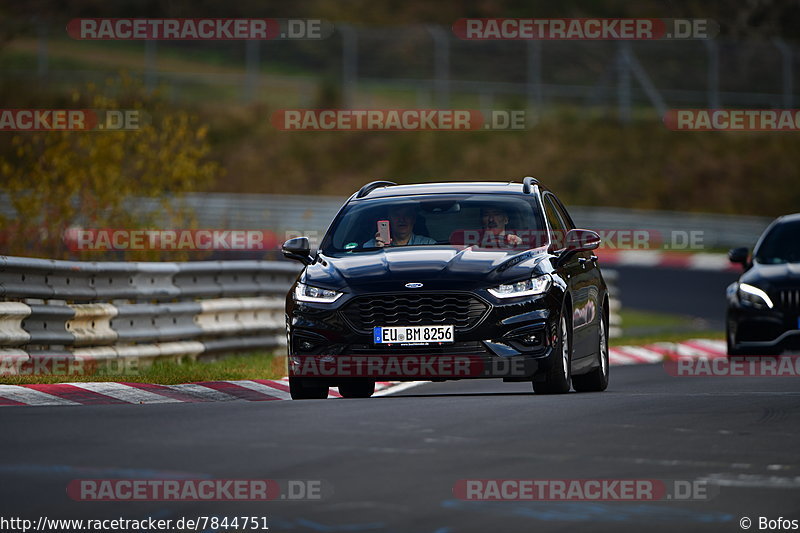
399,388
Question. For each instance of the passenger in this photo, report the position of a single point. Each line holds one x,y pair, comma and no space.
401,226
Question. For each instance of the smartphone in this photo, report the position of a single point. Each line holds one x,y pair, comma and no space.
383,231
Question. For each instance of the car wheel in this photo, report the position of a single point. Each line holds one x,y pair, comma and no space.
362,388
307,389
730,341
597,379
556,379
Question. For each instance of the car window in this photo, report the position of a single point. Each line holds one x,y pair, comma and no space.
780,245
563,215
553,218
435,220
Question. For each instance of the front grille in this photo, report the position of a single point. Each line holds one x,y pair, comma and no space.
789,300
421,309
455,348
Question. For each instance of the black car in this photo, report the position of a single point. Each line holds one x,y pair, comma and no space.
763,315
489,273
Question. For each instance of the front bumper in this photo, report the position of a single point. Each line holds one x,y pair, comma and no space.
513,340
753,328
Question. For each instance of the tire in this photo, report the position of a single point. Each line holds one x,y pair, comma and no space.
597,379
557,378
361,388
307,389
735,351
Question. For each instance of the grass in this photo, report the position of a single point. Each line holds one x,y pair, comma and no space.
632,319
641,340
645,327
238,367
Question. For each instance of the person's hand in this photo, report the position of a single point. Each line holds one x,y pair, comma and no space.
378,241
513,239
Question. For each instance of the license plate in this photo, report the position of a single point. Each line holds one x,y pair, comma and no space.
412,334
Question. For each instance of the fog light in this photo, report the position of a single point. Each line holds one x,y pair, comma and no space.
530,339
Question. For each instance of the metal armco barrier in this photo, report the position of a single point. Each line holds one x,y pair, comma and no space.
112,310
108,311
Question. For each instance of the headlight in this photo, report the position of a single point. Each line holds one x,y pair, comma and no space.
528,287
306,293
754,296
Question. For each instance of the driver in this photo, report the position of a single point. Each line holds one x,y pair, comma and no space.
401,225
494,220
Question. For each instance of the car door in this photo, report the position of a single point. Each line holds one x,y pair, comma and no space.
573,268
569,268
587,284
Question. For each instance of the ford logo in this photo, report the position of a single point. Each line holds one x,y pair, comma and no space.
413,285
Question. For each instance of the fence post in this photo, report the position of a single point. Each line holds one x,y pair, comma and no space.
150,65
42,59
713,74
786,64
534,85
349,65
252,61
624,82
647,84
441,65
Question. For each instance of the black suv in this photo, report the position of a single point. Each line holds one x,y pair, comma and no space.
764,304
490,276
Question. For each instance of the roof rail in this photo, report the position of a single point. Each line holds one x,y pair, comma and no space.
369,187
527,182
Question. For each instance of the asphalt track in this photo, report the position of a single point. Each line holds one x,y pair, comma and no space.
694,293
390,463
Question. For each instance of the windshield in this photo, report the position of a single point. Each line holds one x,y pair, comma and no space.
780,245
481,220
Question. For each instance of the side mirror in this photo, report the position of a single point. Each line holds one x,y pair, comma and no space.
738,255
581,240
297,249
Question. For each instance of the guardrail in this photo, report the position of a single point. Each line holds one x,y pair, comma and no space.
116,310
122,311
